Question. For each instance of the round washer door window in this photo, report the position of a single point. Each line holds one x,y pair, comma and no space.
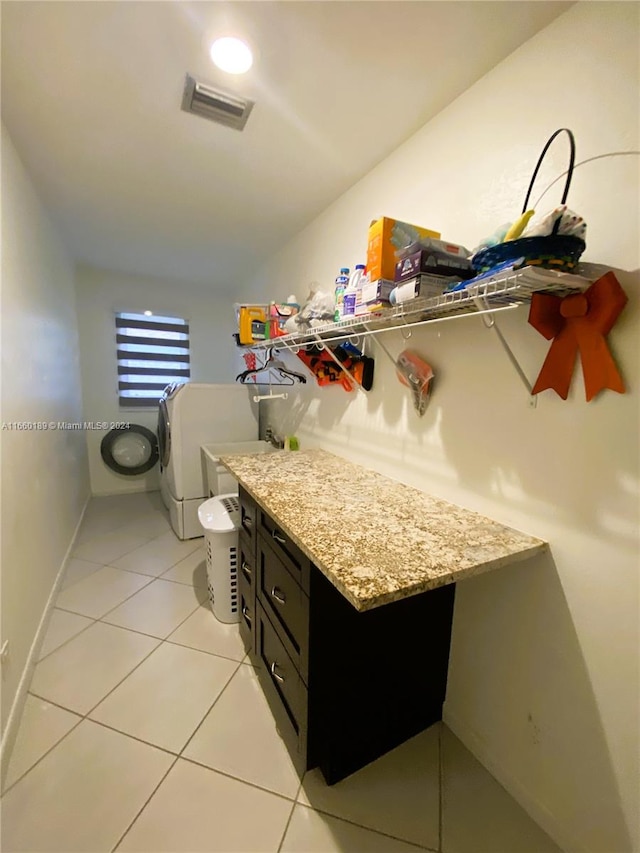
130,451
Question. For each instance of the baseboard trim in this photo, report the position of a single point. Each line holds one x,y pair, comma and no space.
538,812
15,714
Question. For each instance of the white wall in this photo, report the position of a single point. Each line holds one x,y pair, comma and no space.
100,294
45,480
543,681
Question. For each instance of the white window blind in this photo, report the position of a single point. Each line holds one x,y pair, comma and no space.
152,352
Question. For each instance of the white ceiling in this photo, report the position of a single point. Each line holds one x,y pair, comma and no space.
91,96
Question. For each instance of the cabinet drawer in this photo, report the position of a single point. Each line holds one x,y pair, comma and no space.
283,688
248,517
297,563
286,605
247,619
246,561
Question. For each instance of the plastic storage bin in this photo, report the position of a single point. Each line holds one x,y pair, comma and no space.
220,518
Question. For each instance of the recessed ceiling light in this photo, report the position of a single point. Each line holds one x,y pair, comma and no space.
231,55
148,313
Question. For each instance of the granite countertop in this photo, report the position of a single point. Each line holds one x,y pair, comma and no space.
375,539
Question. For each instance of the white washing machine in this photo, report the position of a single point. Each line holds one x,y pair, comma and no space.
190,415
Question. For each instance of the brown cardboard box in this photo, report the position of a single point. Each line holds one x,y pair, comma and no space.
386,236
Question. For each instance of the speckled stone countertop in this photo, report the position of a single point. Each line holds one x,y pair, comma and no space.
375,539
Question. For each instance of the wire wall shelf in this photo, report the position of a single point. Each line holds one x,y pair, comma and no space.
499,293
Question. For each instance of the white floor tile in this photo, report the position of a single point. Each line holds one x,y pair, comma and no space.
311,832
203,631
120,516
77,786
83,795
191,571
41,727
478,815
124,507
109,547
99,524
198,811
398,794
158,555
152,525
245,745
62,627
81,673
157,609
78,570
166,697
101,592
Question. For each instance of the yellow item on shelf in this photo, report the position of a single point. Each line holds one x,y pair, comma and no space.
386,236
248,315
518,226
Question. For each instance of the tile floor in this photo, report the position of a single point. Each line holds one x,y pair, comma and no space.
145,730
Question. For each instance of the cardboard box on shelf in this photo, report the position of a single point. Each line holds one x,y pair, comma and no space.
386,236
372,294
434,263
421,285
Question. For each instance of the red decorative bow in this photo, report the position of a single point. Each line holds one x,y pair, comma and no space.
579,323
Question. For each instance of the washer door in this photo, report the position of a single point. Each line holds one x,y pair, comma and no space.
164,433
129,451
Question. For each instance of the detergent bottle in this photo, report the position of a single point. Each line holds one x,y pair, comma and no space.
352,290
252,323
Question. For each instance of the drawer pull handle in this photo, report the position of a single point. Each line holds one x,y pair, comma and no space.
247,521
278,595
245,613
279,678
278,538
246,568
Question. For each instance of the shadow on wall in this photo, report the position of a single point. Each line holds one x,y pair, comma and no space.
549,740
567,463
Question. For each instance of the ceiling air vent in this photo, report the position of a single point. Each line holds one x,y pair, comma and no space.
217,106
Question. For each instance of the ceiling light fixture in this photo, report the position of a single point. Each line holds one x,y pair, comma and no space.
148,313
231,55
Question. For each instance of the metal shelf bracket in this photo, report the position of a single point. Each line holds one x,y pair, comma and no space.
378,343
489,322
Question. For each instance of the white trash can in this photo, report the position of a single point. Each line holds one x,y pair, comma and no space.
220,518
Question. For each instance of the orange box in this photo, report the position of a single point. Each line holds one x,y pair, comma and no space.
386,236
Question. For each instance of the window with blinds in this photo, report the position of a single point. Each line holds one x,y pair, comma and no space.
152,352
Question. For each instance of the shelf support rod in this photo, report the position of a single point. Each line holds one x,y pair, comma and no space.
384,349
355,384
490,323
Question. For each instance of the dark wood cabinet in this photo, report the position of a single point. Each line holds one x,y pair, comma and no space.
344,686
246,588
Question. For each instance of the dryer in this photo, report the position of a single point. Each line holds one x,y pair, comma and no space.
191,414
